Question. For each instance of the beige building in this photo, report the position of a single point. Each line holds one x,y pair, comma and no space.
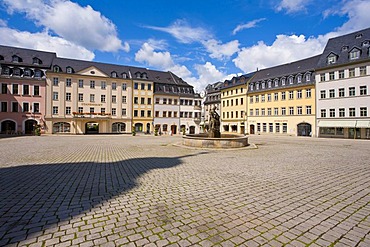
281,99
87,97
234,104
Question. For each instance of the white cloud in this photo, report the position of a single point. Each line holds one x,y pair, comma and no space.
184,33
207,73
358,14
248,25
221,51
81,25
292,6
43,41
284,49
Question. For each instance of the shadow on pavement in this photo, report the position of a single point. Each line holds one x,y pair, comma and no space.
36,197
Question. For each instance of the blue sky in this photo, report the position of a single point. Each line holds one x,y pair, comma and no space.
202,41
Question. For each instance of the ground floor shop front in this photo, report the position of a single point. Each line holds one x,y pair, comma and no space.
296,126
236,127
87,126
348,129
21,124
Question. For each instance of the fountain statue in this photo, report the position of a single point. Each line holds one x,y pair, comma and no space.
214,124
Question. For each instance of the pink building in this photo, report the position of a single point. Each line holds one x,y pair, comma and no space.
23,83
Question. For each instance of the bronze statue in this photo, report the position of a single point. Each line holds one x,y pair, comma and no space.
214,124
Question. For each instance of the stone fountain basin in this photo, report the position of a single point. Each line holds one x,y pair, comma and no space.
226,141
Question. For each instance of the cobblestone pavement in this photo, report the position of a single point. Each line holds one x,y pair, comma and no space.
144,191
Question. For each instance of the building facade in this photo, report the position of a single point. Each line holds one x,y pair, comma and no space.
342,87
212,100
23,89
281,99
234,104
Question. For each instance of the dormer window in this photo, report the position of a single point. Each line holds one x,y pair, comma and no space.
263,85
27,73
269,83
16,72
36,60
144,75
38,74
359,36
16,59
114,74
308,77
251,87
283,81
366,43
257,86
137,74
124,75
290,80
299,79
354,54
1,58
5,71
276,82
69,70
345,48
56,69
331,59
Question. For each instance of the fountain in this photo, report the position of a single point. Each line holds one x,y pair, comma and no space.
214,139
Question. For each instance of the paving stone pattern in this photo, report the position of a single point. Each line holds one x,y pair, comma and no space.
145,191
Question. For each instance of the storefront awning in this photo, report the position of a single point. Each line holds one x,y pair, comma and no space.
363,124
343,124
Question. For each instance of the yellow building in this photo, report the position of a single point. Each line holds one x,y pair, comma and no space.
87,97
234,104
281,99
143,108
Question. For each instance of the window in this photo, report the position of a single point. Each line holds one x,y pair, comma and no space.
114,74
136,85
136,113
341,74
277,128
257,99
322,77
271,127
92,84
15,89
341,92
363,111
251,100
276,111
55,81
290,80
342,112
322,94
149,87
251,112
55,110
55,96
276,96
27,73
92,110
4,106
264,127
16,72
308,93
80,109
257,112
69,70
92,97
26,107
114,111
352,91
291,94
363,90
142,113
355,54
102,110
38,74
124,112
362,70
68,110
285,127
114,99
308,77
68,96
80,97
351,72
291,110
114,86
142,86
332,59
258,127
269,83
308,110
268,97
283,96
14,106
331,76
323,112
299,110
283,111
164,101
331,93
269,111
262,111
102,98
299,79
136,100
80,83
124,99
331,112
142,100
124,86
263,98
103,85
68,82
149,113
263,85
299,94
352,112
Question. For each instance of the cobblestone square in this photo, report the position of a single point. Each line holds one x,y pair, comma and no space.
145,191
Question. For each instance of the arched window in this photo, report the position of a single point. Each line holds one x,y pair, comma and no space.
36,60
61,127
16,72
69,70
38,73
113,74
56,69
27,73
118,127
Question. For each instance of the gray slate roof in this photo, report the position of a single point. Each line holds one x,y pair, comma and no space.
293,68
27,55
343,45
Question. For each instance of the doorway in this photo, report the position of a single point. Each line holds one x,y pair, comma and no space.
29,126
92,128
251,129
174,129
304,129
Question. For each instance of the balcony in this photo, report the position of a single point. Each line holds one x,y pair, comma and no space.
91,115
